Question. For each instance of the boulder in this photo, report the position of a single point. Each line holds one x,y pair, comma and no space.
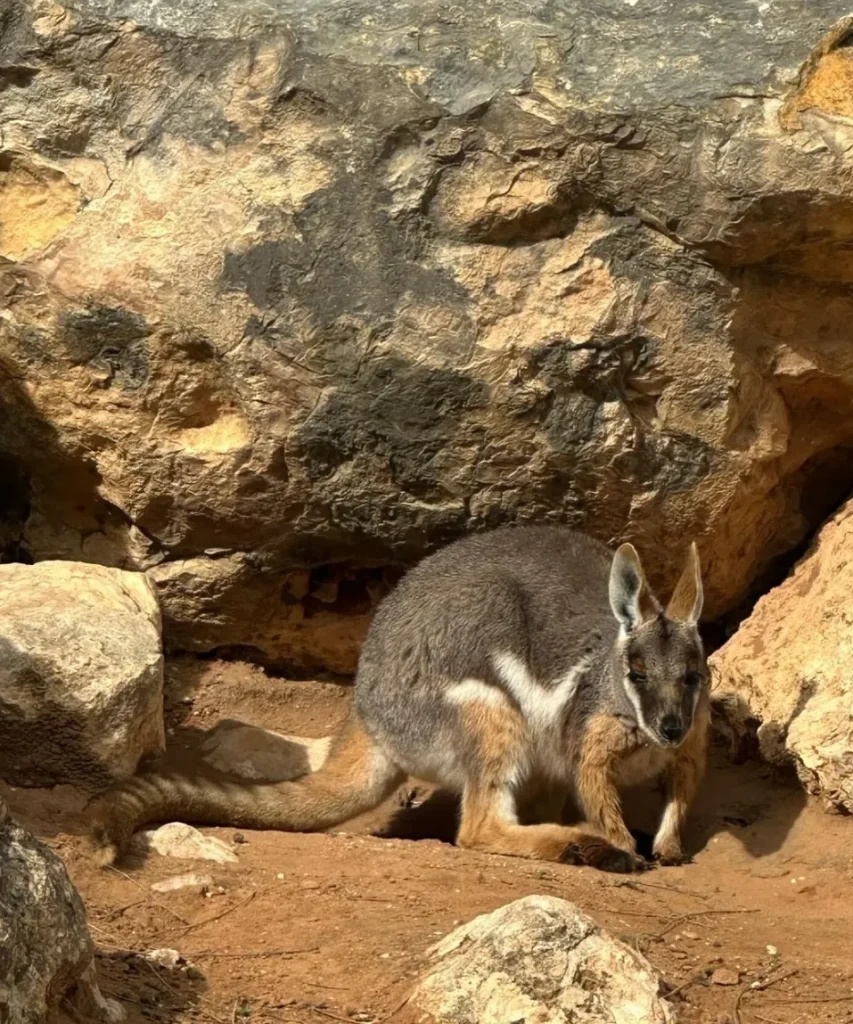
786,672
541,960
81,673
46,954
294,292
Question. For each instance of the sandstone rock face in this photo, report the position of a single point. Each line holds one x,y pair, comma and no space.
45,949
81,673
540,960
293,292
788,668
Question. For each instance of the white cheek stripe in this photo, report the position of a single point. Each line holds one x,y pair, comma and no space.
636,704
541,707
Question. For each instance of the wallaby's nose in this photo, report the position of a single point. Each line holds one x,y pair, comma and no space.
671,728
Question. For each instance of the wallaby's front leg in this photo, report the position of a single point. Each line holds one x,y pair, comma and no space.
682,781
604,742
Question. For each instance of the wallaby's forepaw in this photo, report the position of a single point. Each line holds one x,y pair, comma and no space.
671,859
670,853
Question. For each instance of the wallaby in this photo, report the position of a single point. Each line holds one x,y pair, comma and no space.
512,667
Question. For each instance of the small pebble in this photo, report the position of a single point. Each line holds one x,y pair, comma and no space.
772,951
164,957
725,976
280,876
693,936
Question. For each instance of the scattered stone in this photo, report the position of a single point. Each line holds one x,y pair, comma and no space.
170,958
81,673
538,959
46,954
239,838
725,976
258,754
175,882
194,974
184,842
772,951
692,936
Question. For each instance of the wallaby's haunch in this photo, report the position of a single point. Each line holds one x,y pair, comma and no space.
511,667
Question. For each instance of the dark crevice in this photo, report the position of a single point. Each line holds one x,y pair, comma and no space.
825,484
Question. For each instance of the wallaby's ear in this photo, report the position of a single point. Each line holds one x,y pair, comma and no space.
685,605
632,601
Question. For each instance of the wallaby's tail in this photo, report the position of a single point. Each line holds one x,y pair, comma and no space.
356,777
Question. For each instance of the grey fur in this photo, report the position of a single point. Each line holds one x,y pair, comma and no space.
541,593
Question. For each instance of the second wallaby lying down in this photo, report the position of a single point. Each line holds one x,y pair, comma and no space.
512,667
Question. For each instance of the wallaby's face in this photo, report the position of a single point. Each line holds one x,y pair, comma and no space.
659,653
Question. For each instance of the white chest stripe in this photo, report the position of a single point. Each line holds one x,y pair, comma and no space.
476,690
541,706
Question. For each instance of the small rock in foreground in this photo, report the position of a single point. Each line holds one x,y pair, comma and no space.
538,959
45,949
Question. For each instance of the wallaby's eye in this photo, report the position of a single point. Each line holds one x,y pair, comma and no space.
692,679
637,677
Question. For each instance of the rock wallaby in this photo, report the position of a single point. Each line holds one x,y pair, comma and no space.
512,667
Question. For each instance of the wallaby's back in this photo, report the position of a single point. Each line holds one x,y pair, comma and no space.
535,593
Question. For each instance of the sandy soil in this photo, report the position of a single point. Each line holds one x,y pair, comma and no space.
312,928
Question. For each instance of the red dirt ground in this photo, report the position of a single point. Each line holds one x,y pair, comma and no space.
312,928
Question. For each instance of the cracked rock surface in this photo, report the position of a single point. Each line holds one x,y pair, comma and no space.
294,291
81,673
45,949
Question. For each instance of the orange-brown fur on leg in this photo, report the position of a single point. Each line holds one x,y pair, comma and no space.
356,778
682,780
488,820
605,741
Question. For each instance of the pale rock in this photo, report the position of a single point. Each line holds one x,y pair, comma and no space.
183,842
787,669
81,673
539,960
176,882
164,957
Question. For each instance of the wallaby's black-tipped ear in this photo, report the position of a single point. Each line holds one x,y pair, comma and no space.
632,601
685,605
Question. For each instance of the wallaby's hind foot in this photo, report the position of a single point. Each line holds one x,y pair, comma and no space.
356,777
488,826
